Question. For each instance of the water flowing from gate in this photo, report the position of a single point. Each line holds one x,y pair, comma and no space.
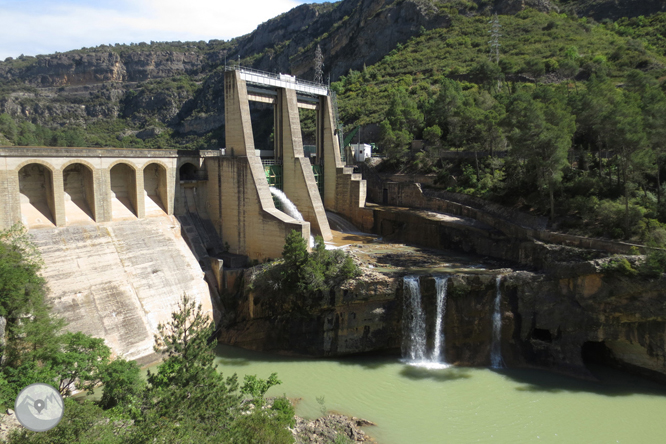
439,348
413,321
496,360
289,208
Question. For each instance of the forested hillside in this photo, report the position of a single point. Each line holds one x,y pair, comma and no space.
566,120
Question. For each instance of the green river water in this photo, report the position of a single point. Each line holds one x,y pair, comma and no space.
413,404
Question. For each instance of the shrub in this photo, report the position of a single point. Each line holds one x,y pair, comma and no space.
297,282
654,264
619,265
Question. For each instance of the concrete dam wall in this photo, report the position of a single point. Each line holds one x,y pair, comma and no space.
119,280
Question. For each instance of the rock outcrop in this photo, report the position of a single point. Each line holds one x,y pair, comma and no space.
559,321
109,82
358,318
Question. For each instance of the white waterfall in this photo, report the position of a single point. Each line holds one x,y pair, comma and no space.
439,348
413,321
289,208
496,360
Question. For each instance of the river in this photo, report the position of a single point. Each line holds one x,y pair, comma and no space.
412,404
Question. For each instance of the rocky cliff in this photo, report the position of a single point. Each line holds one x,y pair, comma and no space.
558,321
177,86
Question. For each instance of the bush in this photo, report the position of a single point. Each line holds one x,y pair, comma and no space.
297,282
654,264
619,265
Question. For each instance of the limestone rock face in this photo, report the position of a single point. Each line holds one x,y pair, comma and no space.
361,317
359,32
557,322
73,68
119,280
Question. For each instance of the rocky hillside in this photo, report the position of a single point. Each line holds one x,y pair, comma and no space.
170,94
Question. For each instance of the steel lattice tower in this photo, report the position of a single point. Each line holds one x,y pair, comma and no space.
494,39
319,66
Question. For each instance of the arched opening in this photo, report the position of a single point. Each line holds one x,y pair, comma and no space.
79,189
187,171
36,196
123,192
155,189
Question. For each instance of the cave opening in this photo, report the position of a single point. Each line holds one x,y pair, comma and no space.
596,354
542,334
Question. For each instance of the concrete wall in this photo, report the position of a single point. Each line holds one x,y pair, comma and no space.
344,191
64,186
298,179
508,222
240,203
119,280
242,209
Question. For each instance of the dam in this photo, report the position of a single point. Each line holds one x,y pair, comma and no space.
125,232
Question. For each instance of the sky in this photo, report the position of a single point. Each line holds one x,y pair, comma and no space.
33,27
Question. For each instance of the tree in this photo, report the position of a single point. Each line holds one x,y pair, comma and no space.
8,127
32,336
403,113
439,111
653,107
432,135
122,384
622,129
541,136
189,401
80,362
187,389
81,423
184,342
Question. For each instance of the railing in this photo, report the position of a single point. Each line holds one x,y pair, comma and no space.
277,77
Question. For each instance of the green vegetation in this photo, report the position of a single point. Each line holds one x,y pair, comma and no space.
535,47
186,400
299,282
570,122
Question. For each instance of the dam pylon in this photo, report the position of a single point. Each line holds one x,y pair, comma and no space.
314,183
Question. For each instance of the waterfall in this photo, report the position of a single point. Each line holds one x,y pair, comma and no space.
439,348
496,347
290,209
413,321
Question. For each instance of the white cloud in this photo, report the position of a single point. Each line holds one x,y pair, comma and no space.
67,26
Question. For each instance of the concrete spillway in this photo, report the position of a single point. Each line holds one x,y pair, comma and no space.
119,280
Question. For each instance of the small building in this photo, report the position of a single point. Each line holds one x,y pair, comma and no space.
361,151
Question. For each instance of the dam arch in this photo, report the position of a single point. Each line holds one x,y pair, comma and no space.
187,171
123,193
36,194
155,189
79,192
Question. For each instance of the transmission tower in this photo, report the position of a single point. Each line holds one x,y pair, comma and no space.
494,39
319,66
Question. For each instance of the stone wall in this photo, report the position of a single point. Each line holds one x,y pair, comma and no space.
510,222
